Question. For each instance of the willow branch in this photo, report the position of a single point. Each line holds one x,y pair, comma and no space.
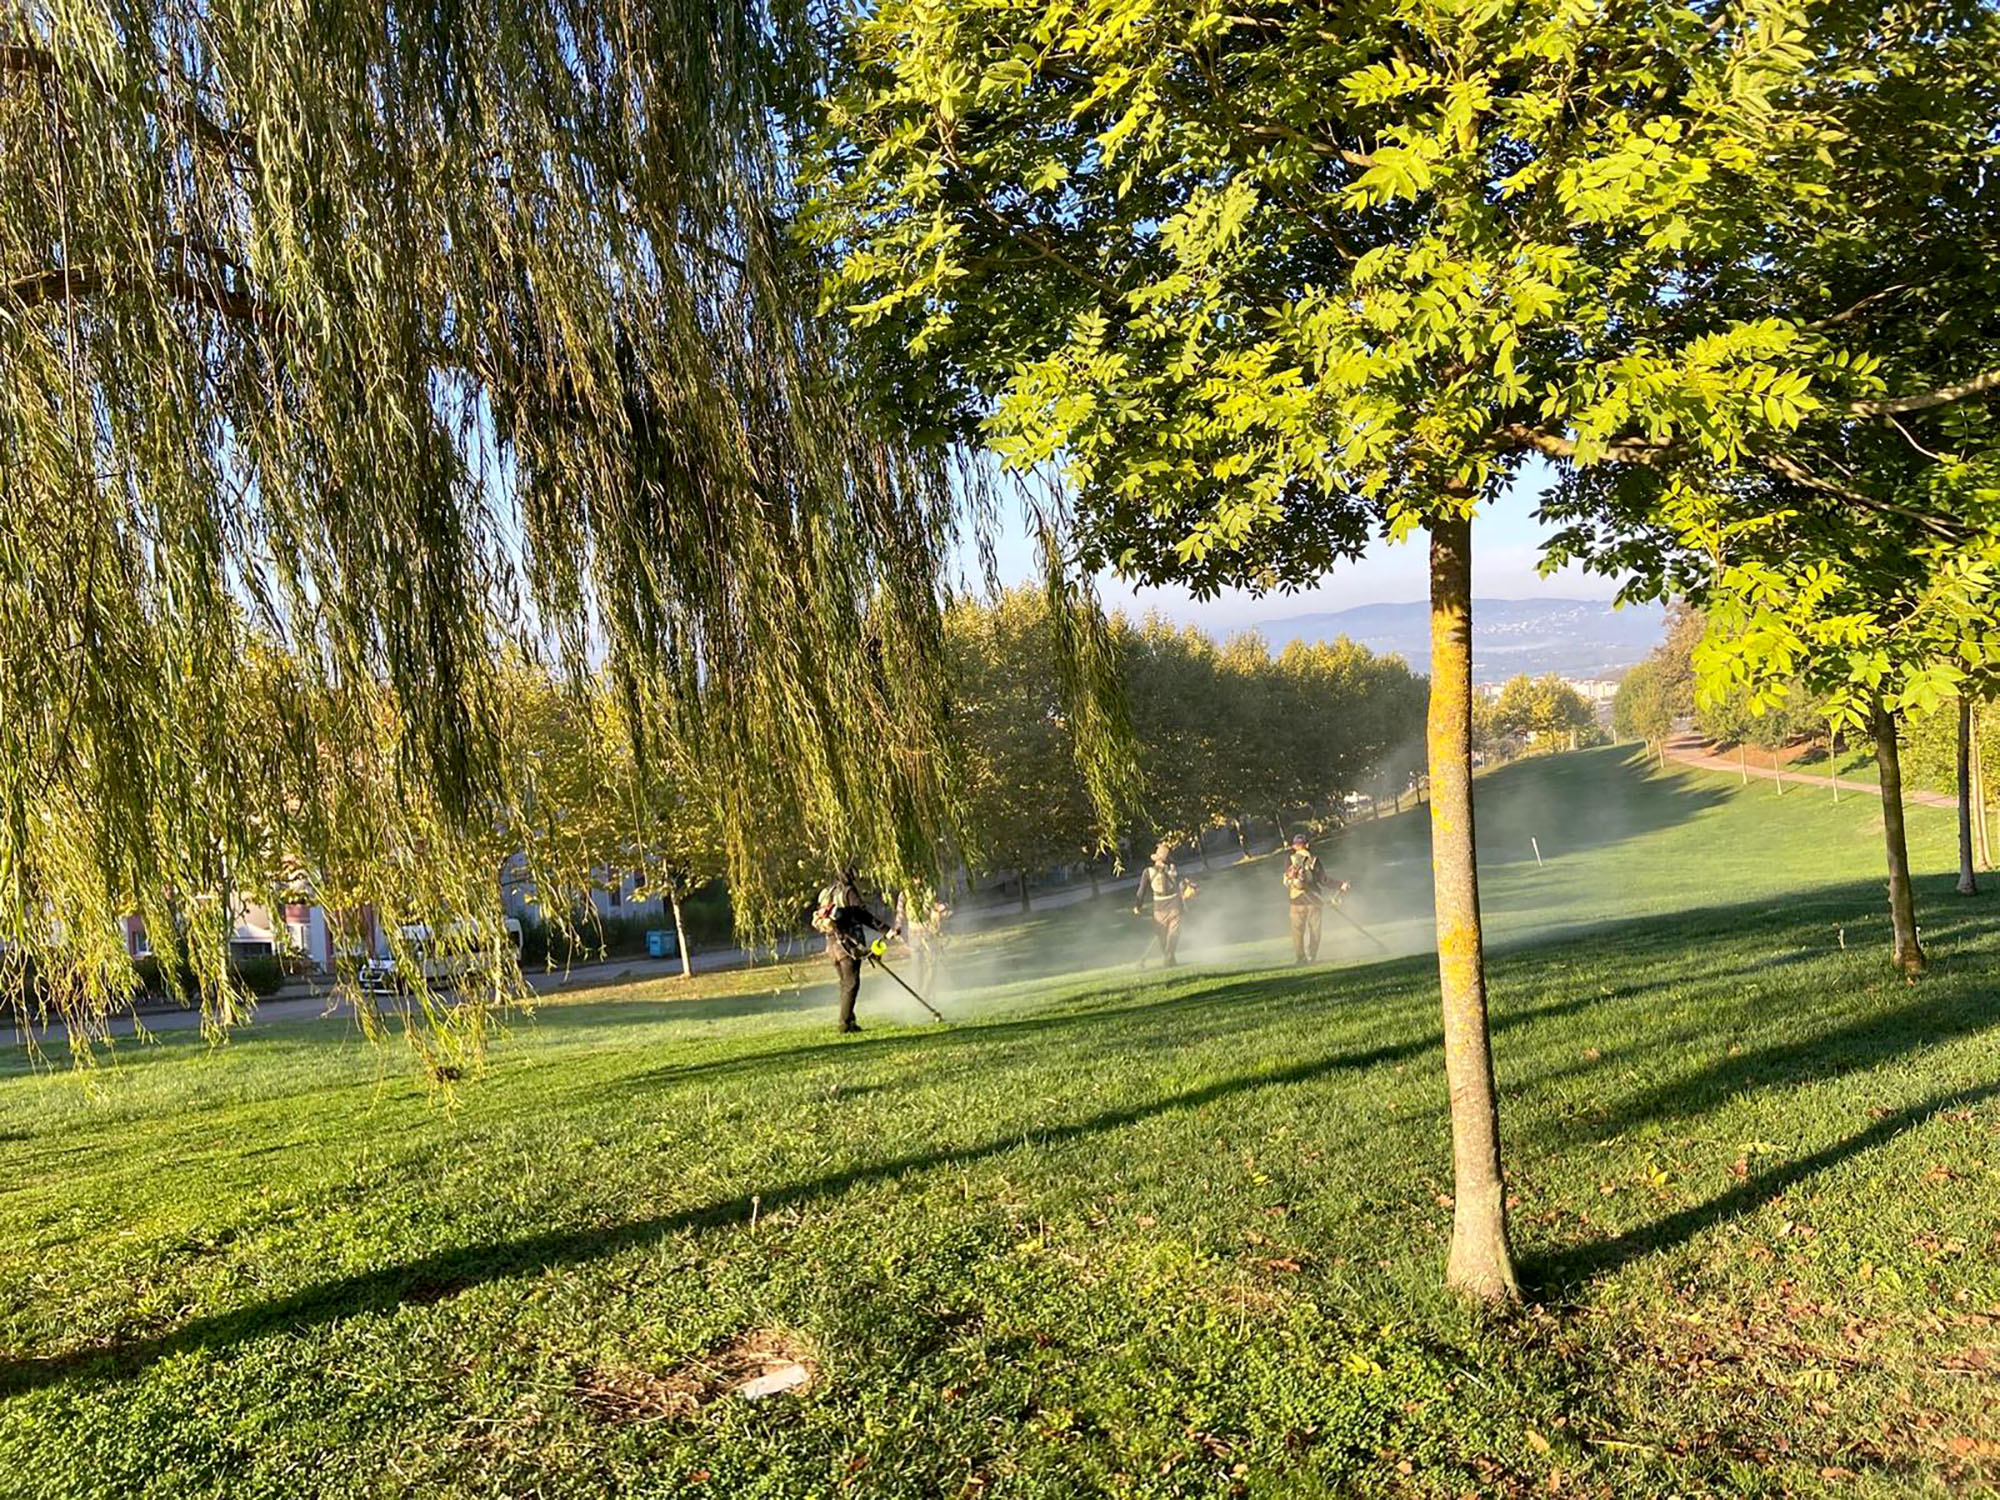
19,58
30,291
16,58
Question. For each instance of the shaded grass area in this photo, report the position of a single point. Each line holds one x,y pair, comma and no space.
1171,1234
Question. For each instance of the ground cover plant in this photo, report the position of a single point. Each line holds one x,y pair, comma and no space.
1138,1234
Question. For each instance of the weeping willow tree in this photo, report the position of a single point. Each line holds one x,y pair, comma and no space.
350,352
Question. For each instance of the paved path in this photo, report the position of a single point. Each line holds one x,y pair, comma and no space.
1690,751
290,1005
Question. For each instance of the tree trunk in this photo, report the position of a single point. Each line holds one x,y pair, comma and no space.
1832,766
1090,869
1024,890
1902,904
1980,826
1968,880
1743,762
1778,772
1482,1263
680,927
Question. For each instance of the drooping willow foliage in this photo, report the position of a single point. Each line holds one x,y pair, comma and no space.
349,352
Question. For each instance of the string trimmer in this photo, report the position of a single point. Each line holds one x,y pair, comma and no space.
875,951
1334,906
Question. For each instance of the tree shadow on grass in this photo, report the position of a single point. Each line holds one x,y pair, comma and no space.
1858,1046
1564,1271
434,1277
1240,1002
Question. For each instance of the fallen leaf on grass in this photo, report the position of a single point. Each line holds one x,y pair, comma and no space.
1536,1441
1940,1173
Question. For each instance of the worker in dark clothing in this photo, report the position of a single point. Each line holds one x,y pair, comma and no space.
1306,887
1162,889
845,919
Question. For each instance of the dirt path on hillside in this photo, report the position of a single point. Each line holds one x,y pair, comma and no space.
1690,751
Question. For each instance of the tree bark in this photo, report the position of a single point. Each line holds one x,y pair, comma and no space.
1482,1263
1024,890
680,927
1909,954
1090,869
1980,825
1968,878
1743,762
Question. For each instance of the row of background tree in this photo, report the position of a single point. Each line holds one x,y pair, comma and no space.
1226,733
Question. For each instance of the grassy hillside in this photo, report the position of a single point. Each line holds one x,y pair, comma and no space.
1162,1234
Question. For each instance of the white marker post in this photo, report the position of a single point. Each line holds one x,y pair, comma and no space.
1538,850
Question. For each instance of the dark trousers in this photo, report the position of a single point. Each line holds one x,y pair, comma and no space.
849,970
1306,919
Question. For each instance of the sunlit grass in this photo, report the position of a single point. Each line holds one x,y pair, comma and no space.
1134,1234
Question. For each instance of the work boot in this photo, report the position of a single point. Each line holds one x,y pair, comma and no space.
849,1028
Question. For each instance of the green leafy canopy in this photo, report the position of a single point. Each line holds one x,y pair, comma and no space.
351,356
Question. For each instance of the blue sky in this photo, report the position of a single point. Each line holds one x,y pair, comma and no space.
1507,543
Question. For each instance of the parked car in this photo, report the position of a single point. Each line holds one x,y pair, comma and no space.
441,970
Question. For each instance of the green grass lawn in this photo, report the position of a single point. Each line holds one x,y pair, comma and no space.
1138,1234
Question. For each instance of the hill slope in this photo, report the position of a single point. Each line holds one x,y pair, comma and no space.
1137,1235
1577,638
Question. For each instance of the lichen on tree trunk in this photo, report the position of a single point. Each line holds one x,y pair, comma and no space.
1909,954
1968,877
1481,1263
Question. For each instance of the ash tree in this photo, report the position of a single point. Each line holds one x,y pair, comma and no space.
1266,281
1851,564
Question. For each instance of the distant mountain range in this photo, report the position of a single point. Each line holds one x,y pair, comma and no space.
1577,638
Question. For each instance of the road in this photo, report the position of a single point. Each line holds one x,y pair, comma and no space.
290,1006
1690,751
